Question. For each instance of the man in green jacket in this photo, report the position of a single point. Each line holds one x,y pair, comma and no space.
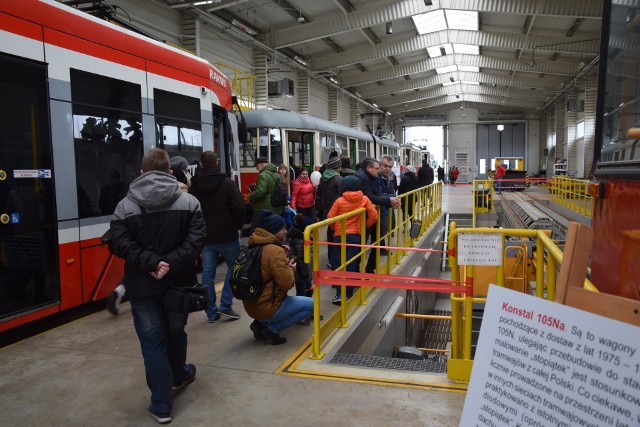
260,198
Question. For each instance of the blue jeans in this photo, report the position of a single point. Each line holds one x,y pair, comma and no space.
229,252
163,342
499,185
292,310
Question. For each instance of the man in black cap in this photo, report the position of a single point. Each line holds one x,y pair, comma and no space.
274,310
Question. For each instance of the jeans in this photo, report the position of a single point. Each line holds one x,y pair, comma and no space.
292,310
163,342
229,252
499,185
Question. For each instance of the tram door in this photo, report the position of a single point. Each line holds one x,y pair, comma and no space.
353,150
301,148
28,232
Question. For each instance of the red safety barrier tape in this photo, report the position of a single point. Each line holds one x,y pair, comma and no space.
348,278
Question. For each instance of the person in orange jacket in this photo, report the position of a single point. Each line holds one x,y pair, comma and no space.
350,200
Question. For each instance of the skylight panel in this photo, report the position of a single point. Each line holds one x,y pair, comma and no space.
462,20
435,51
470,83
469,68
469,49
430,22
446,69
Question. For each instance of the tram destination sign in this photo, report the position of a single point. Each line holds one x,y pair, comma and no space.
479,249
539,363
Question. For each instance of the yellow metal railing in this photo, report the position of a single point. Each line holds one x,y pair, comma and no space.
482,191
571,193
460,364
241,85
427,209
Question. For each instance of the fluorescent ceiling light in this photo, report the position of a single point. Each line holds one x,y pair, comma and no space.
471,68
447,69
469,49
500,128
435,51
300,60
247,29
441,19
375,105
445,84
331,79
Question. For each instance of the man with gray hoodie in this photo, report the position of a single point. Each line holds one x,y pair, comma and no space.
159,230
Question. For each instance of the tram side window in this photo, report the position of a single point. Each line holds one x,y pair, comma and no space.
275,142
327,144
107,133
178,126
362,151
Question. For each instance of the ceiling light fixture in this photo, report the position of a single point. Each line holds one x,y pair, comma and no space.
300,18
389,27
247,29
332,80
300,60
428,3
500,127
452,79
443,52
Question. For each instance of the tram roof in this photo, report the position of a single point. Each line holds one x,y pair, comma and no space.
291,120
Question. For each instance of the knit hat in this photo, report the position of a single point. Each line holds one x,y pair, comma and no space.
350,183
179,163
411,169
270,221
334,163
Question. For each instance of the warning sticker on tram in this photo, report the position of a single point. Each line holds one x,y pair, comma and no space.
32,173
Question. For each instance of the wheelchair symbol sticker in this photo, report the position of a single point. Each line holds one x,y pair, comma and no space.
15,218
4,218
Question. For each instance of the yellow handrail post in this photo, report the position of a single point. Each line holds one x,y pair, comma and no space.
315,339
363,258
468,313
455,277
539,267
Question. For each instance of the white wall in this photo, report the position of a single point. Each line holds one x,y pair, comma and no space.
532,150
319,103
462,137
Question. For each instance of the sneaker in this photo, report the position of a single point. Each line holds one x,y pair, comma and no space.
305,321
337,300
229,314
160,418
191,376
215,318
329,266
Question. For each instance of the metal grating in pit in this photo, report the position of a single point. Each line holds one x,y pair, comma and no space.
429,365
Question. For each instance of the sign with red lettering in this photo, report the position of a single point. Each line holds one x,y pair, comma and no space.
539,363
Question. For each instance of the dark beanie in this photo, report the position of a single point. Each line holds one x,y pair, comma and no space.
350,183
270,221
179,163
334,163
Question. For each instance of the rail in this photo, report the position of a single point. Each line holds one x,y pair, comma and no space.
400,222
571,193
460,364
241,85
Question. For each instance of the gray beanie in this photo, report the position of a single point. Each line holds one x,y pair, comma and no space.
179,163
334,163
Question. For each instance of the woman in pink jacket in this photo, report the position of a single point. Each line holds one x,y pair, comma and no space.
303,199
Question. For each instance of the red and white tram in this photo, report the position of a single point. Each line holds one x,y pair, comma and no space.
82,100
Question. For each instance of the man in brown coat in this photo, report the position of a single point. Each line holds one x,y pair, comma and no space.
274,310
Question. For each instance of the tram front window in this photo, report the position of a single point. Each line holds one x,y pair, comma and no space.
28,232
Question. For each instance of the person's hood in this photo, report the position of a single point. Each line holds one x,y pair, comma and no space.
348,171
207,181
329,173
154,190
271,168
261,236
353,196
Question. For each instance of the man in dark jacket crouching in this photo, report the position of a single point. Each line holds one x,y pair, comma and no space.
159,230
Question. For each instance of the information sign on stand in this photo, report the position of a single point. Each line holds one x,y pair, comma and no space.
540,363
479,249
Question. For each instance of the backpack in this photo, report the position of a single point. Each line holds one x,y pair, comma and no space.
246,277
279,196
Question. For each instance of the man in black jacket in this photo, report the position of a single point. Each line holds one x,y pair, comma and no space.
159,230
224,212
368,175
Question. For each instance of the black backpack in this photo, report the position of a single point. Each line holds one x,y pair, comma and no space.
246,277
279,196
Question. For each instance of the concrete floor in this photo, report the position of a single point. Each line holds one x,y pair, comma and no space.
90,373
